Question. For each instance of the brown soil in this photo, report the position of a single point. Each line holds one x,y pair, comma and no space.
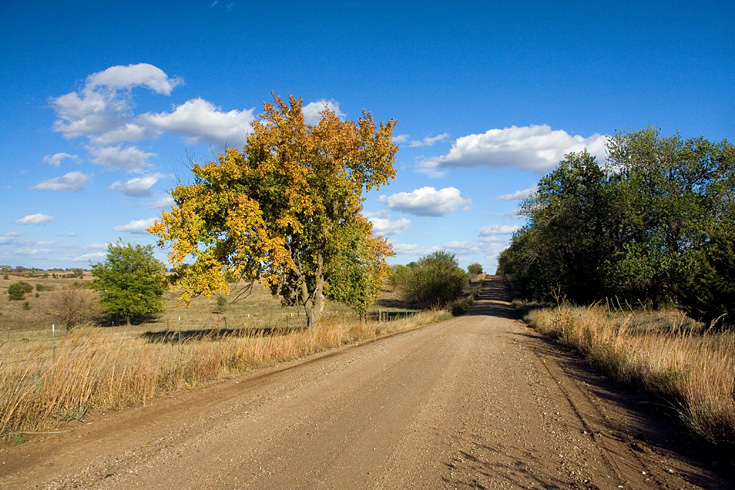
479,401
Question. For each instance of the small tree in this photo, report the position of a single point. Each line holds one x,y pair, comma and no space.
130,281
474,269
72,306
435,281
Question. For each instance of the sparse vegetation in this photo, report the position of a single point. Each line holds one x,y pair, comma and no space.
72,306
663,352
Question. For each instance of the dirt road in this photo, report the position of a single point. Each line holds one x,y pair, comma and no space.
479,401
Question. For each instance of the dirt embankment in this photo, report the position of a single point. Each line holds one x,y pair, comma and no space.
476,402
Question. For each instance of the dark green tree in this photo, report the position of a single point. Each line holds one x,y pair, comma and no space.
131,282
562,248
672,200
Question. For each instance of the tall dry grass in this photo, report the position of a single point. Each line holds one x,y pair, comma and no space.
665,353
96,368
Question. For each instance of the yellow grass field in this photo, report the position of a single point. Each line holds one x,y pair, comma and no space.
665,353
46,379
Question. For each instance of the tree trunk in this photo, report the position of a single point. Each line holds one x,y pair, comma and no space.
314,301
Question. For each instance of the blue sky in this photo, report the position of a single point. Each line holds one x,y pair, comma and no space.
103,104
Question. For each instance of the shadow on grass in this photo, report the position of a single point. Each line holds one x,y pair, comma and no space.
214,334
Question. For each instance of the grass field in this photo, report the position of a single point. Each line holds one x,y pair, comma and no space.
690,367
47,379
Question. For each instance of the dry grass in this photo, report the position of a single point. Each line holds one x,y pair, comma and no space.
107,368
664,352
103,368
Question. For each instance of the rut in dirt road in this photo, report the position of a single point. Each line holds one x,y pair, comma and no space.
479,401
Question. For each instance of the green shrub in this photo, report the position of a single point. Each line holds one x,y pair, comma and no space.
474,268
17,290
435,281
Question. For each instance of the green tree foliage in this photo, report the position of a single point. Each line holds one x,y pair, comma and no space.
17,291
435,281
657,224
131,281
286,211
474,268
559,252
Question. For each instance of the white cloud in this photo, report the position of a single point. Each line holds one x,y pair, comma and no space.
131,131
8,238
517,195
92,256
429,140
312,110
535,148
101,109
139,75
513,213
413,249
34,219
498,230
401,138
129,158
201,121
383,225
462,247
137,227
56,158
138,186
164,202
427,201
73,181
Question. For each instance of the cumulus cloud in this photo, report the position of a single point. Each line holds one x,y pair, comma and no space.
429,140
201,121
517,195
427,201
498,230
127,77
73,181
34,219
128,158
401,138
138,186
101,109
383,225
312,110
535,148
137,227
56,158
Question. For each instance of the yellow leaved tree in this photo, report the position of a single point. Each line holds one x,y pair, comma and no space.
286,211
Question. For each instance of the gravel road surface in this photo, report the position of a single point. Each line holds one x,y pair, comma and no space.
479,401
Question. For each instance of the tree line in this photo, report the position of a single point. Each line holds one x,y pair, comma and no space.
654,224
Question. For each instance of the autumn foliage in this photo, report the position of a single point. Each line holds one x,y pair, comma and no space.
286,210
